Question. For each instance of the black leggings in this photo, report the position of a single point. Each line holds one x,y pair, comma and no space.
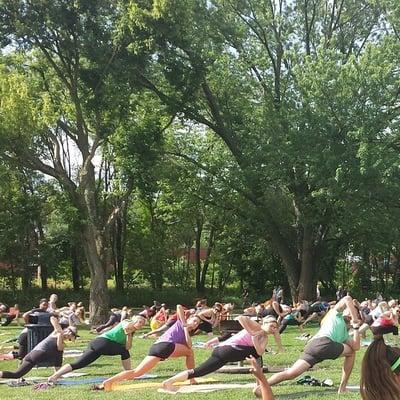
33,358
100,347
23,345
220,356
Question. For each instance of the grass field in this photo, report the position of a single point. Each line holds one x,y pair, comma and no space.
107,366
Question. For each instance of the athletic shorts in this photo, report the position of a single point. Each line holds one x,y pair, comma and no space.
162,350
321,349
205,327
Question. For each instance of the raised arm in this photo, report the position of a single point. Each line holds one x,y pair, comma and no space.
60,341
253,327
181,316
347,301
56,324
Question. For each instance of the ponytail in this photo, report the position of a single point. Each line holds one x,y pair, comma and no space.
378,381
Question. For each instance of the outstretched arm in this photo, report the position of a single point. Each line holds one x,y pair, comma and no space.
181,316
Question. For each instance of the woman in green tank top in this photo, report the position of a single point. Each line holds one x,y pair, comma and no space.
117,341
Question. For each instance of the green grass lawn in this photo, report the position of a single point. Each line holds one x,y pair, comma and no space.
107,366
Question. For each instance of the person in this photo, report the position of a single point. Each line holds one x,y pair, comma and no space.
172,318
250,341
116,316
116,341
318,292
23,336
10,314
210,318
227,308
317,311
262,383
274,309
70,316
380,371
245,296
340,293
279,295
52,303
148,312
330,342
293,318
48,350
175,342
160,318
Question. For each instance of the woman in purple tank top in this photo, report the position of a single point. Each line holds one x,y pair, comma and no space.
175,342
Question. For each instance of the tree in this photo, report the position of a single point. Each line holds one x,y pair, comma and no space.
64,92
293,89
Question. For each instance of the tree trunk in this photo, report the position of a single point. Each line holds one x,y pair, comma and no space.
75,263
300,270
43,266
96,255
307,282
119,252
199,229
207,260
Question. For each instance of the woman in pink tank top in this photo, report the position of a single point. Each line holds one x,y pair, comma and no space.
249,342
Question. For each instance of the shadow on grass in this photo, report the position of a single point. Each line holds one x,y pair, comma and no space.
299,395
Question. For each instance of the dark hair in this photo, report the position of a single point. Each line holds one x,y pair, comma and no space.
378,381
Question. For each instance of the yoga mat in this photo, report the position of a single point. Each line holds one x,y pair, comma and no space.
235,369
97,379
353,388
44,378
89,381
210,387
145,385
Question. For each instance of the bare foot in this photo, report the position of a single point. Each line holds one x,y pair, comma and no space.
169,387
107,386
342,389
193,382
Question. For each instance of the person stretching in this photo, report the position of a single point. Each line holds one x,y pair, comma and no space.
175,342
49,350
250,341
330,342
116,341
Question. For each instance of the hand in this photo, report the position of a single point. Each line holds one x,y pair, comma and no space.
256,369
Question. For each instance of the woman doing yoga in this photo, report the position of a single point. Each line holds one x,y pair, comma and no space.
175,342
116,341
250,341
49,350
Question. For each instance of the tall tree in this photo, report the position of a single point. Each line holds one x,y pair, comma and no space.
293,89
64,97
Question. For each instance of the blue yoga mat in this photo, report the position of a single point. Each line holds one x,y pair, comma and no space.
98,379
